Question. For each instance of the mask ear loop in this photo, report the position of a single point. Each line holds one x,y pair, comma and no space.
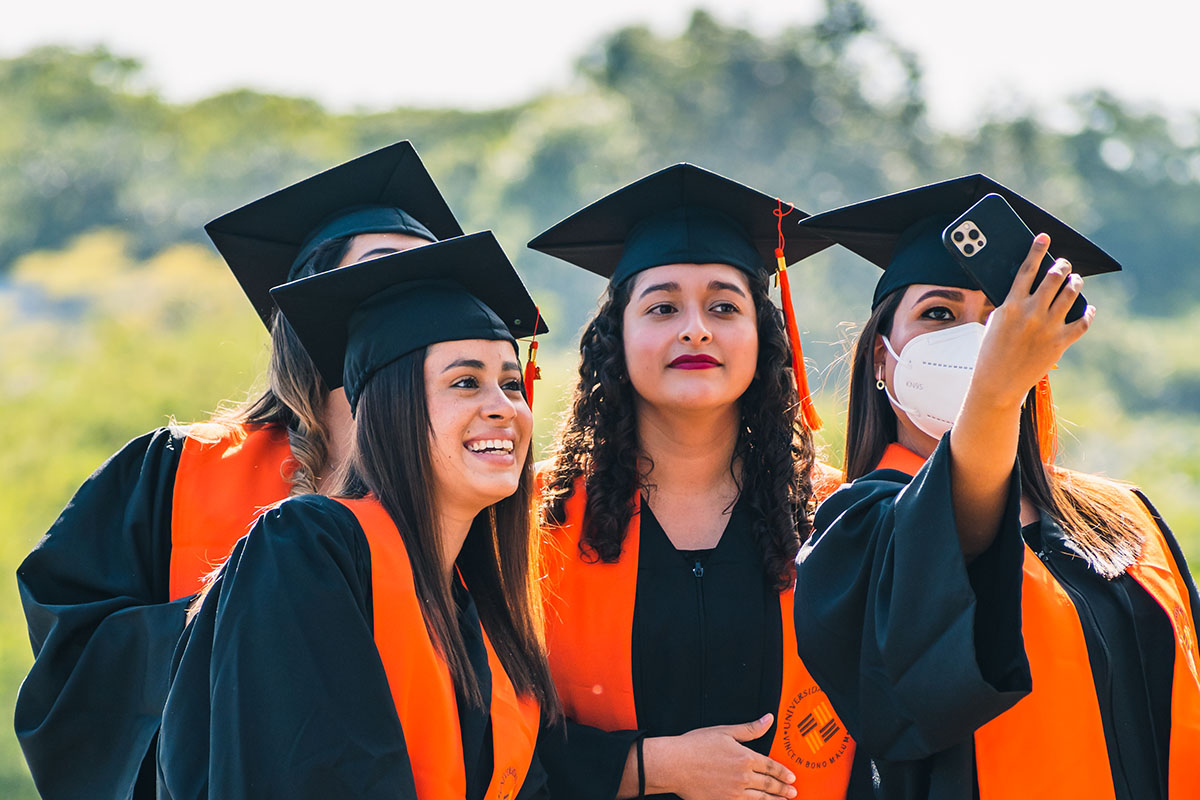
888,345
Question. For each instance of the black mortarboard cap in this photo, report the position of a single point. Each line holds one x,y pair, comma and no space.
902,233
683,214
386,191
359,318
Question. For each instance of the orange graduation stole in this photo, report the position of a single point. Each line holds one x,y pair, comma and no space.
420,681
589,625
1055,733
221,487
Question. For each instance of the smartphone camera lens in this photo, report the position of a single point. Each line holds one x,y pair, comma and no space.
968,249
973,234
958,236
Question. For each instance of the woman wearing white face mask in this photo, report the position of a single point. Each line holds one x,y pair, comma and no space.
986,623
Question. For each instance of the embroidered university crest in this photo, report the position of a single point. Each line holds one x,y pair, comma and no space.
813,736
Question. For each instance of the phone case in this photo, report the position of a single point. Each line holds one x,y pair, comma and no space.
990,242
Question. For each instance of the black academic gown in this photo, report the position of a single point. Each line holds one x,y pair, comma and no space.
707,649
278,689
917,650
95,594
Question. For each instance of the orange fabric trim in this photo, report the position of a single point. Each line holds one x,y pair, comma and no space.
420,682
826,480
589,626
810,739
514,738
1054,733
1061,716
1159,575
220,489
900,458
589,631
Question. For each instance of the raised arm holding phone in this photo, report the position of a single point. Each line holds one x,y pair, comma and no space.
986,622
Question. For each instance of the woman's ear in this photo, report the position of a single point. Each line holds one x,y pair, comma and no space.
879,356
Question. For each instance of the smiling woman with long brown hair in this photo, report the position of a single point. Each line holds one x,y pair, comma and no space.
383,642
987,623
680,490
106,590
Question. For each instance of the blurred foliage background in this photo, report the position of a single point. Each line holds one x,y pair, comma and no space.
115,314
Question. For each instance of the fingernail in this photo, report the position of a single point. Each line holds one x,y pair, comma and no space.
791,779
1042,239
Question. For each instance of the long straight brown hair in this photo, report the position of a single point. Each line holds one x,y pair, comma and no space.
1095,512
392,460
295,396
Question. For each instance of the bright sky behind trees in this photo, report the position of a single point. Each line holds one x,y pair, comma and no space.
473,53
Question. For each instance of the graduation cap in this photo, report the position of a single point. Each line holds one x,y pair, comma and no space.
685,214
266,242
356,319
902,233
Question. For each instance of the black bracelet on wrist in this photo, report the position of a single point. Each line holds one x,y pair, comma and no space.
641,764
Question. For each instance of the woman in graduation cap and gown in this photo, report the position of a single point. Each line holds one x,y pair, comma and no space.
381,642
679,493
989,624
105,591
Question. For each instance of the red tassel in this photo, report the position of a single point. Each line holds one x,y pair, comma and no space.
1047,421
807,409
532,371
811,420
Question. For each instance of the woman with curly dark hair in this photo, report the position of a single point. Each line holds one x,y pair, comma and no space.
106,590
673,507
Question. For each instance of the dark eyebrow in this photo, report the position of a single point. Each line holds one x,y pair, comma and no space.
464,362
732,287
377,251
669,286
948,294
510,366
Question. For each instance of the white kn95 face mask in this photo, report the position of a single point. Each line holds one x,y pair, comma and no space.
933,373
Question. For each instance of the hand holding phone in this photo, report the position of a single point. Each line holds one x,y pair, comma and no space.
990,242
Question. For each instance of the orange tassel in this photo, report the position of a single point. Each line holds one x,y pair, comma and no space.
811,420
1047,421
532,371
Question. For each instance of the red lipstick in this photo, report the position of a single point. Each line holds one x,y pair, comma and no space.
698,361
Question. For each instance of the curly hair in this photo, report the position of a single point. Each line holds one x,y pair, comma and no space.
598,441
